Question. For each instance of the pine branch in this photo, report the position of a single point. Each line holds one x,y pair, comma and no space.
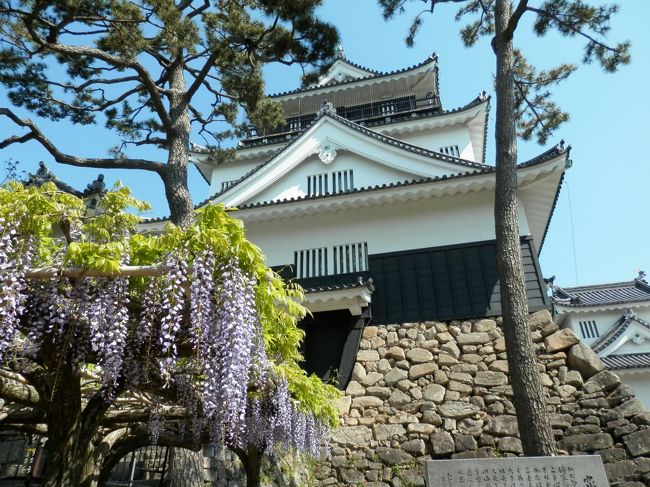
95,53
531,106
110,163
522,6
572,28
200,77
195,10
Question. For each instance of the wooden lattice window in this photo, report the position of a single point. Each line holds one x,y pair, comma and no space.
342,181
589,329
317,185
311,262
227,184
450,150
352,257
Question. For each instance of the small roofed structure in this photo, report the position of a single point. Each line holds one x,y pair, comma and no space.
614,319
44,175
92,195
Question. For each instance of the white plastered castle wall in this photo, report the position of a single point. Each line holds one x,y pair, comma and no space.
605,319
336,139
400,226
435,140
230,172
365,173
432,139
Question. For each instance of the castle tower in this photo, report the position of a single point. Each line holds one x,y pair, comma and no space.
378,200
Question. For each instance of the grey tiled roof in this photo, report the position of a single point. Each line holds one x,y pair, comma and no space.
482,169
387,120
548,223
371,133
51,178
375,74
616,330
628,361
405,145
479,169
366,189
336,287
603,294
357,65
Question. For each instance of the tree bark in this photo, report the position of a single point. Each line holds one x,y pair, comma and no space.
69,445
251,459
534,424
253,467
175,177
185,468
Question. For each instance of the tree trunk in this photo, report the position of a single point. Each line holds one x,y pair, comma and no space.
70,462
185,468
253,467
534,424
69,446
251,459
175,178
175,181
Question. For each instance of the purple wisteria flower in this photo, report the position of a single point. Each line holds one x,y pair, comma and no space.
171,315
227,363
12,278
109,320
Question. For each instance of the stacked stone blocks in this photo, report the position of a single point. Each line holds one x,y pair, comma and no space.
422,391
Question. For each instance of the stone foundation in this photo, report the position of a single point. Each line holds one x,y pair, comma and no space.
222,468
421,391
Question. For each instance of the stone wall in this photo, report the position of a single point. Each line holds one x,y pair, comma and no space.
222,468
430,390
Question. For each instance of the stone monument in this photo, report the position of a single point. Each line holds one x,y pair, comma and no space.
569,471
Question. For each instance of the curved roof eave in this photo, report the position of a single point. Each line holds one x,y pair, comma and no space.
478,101
605,341
364,130
539,160
546,156
432,59
359,66
345,67
608,295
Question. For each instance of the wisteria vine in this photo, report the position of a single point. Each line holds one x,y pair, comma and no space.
12,276
228,384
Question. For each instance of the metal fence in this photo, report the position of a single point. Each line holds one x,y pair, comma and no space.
23,458
144,467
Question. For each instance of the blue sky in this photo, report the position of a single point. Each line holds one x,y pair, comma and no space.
600,230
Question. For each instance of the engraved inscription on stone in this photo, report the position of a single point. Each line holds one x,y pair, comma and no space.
571,471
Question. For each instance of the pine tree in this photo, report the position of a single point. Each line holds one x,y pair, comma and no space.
524,108
153,71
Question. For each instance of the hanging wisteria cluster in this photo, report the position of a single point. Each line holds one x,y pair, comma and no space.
12,276
195,331
275,421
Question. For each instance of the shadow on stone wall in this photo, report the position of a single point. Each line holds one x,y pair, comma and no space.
430,390
224,469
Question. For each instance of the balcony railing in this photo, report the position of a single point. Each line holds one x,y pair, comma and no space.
368,112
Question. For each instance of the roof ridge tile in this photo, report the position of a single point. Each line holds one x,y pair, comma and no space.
376,74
